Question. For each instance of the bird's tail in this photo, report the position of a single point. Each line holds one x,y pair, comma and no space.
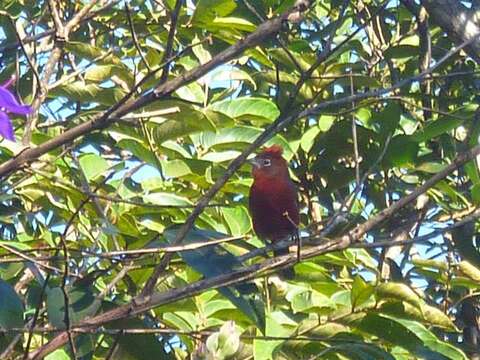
289,273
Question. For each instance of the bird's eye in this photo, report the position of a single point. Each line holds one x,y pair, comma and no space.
267,162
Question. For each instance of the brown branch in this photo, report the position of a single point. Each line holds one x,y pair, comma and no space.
59,28
79,16
124,255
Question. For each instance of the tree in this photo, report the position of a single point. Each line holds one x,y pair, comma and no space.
125,196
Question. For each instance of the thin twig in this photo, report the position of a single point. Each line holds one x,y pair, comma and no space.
134,37
170,40
27,56
30,259
355,138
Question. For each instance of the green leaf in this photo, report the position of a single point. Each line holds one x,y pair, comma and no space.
192,92
101,73
307,300
11,313
401,52
471,169
220,156
82,304
232,75
356,351
183,119
166,199
430,167
402,151
247,108
91,52
437,317
361,291
200,52
431,341
184,320
475,190
398,291
308,138
390,331
176,168
58,354
233,23
88,93
229,137
93,165
237,219
469,270
325,122
389,118
447,190
207,10
435,128
214,306
276,325
139,150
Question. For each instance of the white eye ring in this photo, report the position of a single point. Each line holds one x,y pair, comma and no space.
267,162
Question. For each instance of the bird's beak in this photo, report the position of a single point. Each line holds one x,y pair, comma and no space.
255,162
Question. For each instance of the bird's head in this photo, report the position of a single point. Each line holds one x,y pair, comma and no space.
269,163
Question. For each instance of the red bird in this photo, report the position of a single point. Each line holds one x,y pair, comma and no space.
273,200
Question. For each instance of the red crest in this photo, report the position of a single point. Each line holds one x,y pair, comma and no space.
274,150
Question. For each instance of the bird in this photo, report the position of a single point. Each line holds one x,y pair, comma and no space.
273,201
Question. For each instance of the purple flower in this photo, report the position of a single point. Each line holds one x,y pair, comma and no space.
8,104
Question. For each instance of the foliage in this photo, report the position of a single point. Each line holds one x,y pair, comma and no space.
84,225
